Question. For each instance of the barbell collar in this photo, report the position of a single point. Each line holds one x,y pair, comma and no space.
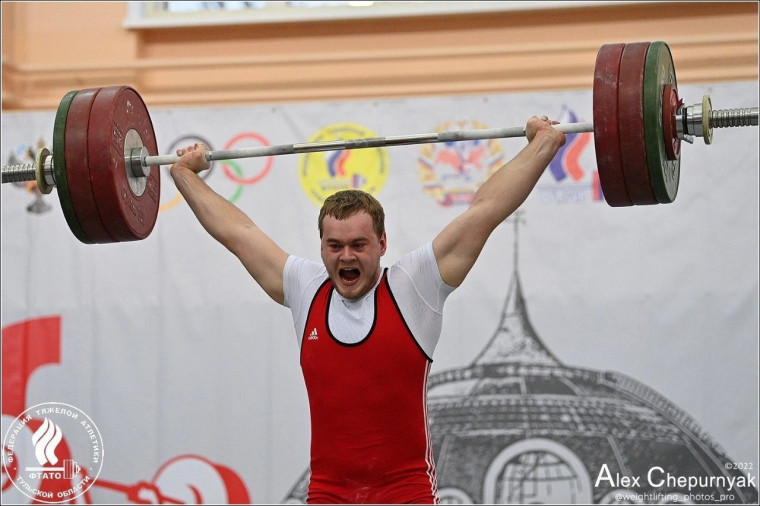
44,171
135,162
707,128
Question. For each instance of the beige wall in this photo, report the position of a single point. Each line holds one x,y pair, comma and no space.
49,48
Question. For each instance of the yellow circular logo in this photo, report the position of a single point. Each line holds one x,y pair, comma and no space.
326,172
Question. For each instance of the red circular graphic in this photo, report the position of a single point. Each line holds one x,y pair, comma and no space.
267,167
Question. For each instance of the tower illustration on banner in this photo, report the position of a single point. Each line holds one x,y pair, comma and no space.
517,426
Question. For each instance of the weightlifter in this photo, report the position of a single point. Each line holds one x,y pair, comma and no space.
367,333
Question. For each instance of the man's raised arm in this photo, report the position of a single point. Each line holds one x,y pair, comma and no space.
260,255
458,245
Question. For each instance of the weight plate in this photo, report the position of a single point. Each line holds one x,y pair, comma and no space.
59,166
670,105
631,123
77,168
658,72
606,136
127,205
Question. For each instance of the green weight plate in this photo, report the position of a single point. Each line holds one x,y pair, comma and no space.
59,166
658,72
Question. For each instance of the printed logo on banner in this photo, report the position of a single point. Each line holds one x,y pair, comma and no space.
23,154
237,173
452,172
40,444
323,173
170,197
50,450
566,180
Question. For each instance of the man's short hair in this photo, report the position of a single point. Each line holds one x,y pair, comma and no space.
343,204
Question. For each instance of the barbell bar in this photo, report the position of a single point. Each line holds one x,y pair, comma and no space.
143,160
140,162
104,145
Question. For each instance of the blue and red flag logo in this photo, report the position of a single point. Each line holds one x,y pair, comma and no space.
570,180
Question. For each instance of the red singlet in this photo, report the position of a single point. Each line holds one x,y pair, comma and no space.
369,430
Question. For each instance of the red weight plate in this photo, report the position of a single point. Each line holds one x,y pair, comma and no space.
77,169
128,206
670,105
606,136
631,123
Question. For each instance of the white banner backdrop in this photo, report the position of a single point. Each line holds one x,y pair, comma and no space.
188,369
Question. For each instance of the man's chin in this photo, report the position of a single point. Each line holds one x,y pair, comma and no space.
348,292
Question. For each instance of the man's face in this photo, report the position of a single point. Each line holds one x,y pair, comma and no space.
351,252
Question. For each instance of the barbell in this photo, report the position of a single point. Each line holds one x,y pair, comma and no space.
104,145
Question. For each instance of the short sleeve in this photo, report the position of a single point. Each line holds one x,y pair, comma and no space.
301,279
420,292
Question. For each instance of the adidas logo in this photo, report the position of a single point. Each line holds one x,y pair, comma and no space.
313,336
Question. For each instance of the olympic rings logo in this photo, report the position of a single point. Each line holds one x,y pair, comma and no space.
231,169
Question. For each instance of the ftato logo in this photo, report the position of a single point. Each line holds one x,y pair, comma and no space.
37,436
31,441
323,173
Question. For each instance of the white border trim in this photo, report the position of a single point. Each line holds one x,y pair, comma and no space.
142,15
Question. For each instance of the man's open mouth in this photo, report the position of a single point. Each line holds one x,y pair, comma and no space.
349,276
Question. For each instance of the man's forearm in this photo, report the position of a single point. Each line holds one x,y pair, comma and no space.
218,216
508,188
261,256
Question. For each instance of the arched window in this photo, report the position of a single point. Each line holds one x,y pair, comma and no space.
537,471
454,496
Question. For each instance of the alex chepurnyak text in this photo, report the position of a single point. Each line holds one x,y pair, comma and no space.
658,478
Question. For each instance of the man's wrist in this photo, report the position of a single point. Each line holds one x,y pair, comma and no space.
179,169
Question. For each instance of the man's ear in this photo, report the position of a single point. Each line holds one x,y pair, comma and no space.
383,244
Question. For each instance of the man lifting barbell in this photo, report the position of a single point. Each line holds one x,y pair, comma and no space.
367,333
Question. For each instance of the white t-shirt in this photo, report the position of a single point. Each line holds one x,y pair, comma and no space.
414,280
